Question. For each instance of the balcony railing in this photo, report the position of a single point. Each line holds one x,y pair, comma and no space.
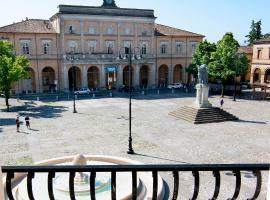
30,172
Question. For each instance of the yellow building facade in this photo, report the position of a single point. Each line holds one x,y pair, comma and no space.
80,45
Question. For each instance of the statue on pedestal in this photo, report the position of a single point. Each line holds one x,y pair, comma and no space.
203,74
202,88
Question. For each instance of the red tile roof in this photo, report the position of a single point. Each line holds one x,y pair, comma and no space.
246,49
29,26
162,30
263,41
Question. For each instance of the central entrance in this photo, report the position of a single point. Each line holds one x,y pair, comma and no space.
111,76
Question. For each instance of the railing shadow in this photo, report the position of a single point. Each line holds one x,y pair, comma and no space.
159,158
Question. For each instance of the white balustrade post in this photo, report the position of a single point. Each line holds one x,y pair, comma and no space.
1,185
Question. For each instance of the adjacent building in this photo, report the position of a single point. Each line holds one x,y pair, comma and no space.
80,46
260,70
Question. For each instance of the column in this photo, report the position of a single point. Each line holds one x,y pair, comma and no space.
152,75
40,82
100,36
184,74
262,78
66,87
136,76
119,76
84,77
251,78
170,78
102,77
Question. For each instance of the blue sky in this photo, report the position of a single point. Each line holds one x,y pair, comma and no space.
211,18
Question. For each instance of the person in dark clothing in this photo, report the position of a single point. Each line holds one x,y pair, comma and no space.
221,103
27,121
18,123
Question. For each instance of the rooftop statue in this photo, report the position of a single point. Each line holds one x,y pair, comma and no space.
203,74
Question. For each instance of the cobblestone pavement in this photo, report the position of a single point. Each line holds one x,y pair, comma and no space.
101,128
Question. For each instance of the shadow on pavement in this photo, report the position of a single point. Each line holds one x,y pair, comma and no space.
252,122
7,122
34,111
149,156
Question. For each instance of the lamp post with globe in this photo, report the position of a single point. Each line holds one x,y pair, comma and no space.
130,53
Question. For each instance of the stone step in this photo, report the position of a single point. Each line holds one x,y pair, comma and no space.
202,115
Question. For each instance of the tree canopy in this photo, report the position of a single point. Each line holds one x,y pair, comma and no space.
255,32
202,55
12,68
226,62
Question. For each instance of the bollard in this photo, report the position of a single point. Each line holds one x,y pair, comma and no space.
37,98
68,96
143,92
1,185
76,97
157,91
94,95
186,90
111,95
57,98
172,90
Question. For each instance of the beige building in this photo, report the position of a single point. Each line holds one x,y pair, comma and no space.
80,45
260,70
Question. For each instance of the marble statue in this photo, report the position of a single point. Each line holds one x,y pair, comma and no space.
203,74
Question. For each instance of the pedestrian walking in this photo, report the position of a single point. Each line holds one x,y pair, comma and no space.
221,103
18,123
27,121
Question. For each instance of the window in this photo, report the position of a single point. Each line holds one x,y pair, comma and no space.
163,48
193,47
71,29
25,46
92,46
127,31
46,46
110,31
179,47
92,30
109,46
127,46
73,46
144,46
259,54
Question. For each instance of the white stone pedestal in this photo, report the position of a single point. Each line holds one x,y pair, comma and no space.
202,96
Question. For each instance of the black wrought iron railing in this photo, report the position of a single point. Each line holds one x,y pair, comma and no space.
237,169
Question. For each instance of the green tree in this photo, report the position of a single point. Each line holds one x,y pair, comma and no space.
12,68
202,55
226,63
256,32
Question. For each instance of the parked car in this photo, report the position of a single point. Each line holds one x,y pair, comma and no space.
175,86
125,88
83,91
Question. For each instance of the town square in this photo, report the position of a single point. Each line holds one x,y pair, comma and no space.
105,102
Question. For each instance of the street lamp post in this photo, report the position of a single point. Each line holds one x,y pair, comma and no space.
73,57
131,55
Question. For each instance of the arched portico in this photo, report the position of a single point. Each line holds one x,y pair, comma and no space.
74,78
93,77
126,76
257,75
163,73
178,74
48,80
144,76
